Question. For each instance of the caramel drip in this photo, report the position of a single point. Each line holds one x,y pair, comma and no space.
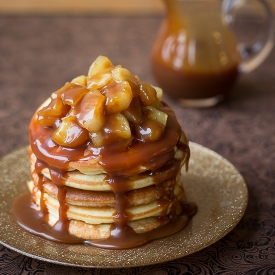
43,212
29,218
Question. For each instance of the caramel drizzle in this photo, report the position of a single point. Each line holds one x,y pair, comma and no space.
155,156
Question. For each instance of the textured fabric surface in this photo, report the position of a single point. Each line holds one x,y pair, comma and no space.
39,54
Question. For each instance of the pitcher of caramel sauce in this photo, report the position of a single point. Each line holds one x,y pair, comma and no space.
197,55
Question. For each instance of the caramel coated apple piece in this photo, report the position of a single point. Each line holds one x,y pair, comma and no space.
147,94
80,80
55,108
69,133
156,115
74,95
46,120
149,130
97,138
116,131
121,74
118,97
133,113
118,125
98,81
47,115
91,111
159,92
101,63
153,126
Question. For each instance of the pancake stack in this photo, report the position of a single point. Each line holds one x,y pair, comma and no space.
106,159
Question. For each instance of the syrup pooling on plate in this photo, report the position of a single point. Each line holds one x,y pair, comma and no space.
114,121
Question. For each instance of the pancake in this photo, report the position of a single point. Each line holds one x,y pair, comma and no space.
103,231
99,182
101,215
86,198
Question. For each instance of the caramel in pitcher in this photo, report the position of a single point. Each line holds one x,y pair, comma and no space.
195,54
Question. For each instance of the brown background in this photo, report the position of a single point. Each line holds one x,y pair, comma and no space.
38,54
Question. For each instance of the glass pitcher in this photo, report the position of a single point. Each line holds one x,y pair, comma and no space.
197,57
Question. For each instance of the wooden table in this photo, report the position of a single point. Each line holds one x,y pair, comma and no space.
39,54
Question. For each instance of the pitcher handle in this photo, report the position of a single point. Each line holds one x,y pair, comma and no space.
252,55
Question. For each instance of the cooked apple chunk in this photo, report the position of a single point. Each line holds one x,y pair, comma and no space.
101,63
91,113
122,74
118,97
80,80
156,115
69,133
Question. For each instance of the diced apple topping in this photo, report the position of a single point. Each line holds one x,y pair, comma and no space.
97,138
91,113
108,106
99,80
156,115
46,120
80,80
55,108
69,133
147,94
118,125
133,113
122,74
159,92
116,129
153,126
74,95
101,63
149,130
118,97
50,113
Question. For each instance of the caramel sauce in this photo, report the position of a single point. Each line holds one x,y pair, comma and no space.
29,218
119,164
194,55
155,156
193,85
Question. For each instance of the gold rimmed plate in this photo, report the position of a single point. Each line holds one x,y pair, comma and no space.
212,182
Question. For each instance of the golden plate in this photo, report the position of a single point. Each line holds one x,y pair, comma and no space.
212,182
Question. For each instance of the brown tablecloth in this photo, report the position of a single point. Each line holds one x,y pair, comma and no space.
39,54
